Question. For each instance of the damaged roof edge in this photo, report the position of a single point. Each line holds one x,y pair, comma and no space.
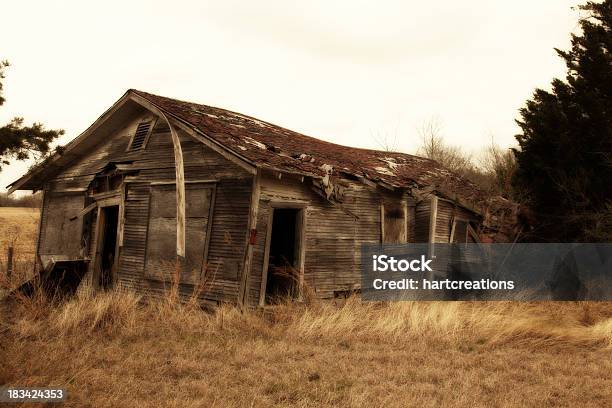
53,159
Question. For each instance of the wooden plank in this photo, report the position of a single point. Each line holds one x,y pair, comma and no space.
41,215
84,211
61,236
266,259
432,227
107,202
248,253
301,234
433,211
382,222
121,228
160,238
406,220
168,182
180,192
96,260
211,212
473,233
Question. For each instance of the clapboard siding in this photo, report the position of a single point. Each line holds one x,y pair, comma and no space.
61,235
155,163
447,212
228,235
334,234
422,217
133,252
444,219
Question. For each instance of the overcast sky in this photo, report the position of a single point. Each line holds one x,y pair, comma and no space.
343,71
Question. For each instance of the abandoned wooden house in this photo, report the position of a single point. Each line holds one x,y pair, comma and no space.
250,209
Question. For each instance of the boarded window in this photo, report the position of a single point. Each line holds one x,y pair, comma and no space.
161,237
61,235
394,227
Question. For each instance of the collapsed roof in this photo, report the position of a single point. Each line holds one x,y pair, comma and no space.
265,145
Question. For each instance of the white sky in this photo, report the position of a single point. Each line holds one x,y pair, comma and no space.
342,71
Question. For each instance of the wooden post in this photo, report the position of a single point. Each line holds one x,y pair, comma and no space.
180,192
180,175
382,222
243,292
9,267
433,221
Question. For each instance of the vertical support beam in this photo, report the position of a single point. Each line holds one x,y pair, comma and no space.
180,191
121,227
97,258
433,219
451,237
301,233
382,222
37,263
243,292
405,211
180,178
266,260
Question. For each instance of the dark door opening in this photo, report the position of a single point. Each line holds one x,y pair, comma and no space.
108,245
283,275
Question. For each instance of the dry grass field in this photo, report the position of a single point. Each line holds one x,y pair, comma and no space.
116,350
18,229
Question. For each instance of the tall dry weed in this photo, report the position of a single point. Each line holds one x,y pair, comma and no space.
114,310
485,323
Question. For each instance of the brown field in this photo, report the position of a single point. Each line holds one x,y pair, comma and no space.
18,228
115,350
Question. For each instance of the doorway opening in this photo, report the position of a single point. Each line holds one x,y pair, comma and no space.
283,266
107,248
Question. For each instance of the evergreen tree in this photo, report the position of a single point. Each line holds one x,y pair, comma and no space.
22,142
565,156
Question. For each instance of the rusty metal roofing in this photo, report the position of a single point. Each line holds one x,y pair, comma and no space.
271,146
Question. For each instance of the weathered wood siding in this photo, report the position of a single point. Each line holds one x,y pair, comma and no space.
155,163
422,216
444,219
447,212
58,231
333,234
